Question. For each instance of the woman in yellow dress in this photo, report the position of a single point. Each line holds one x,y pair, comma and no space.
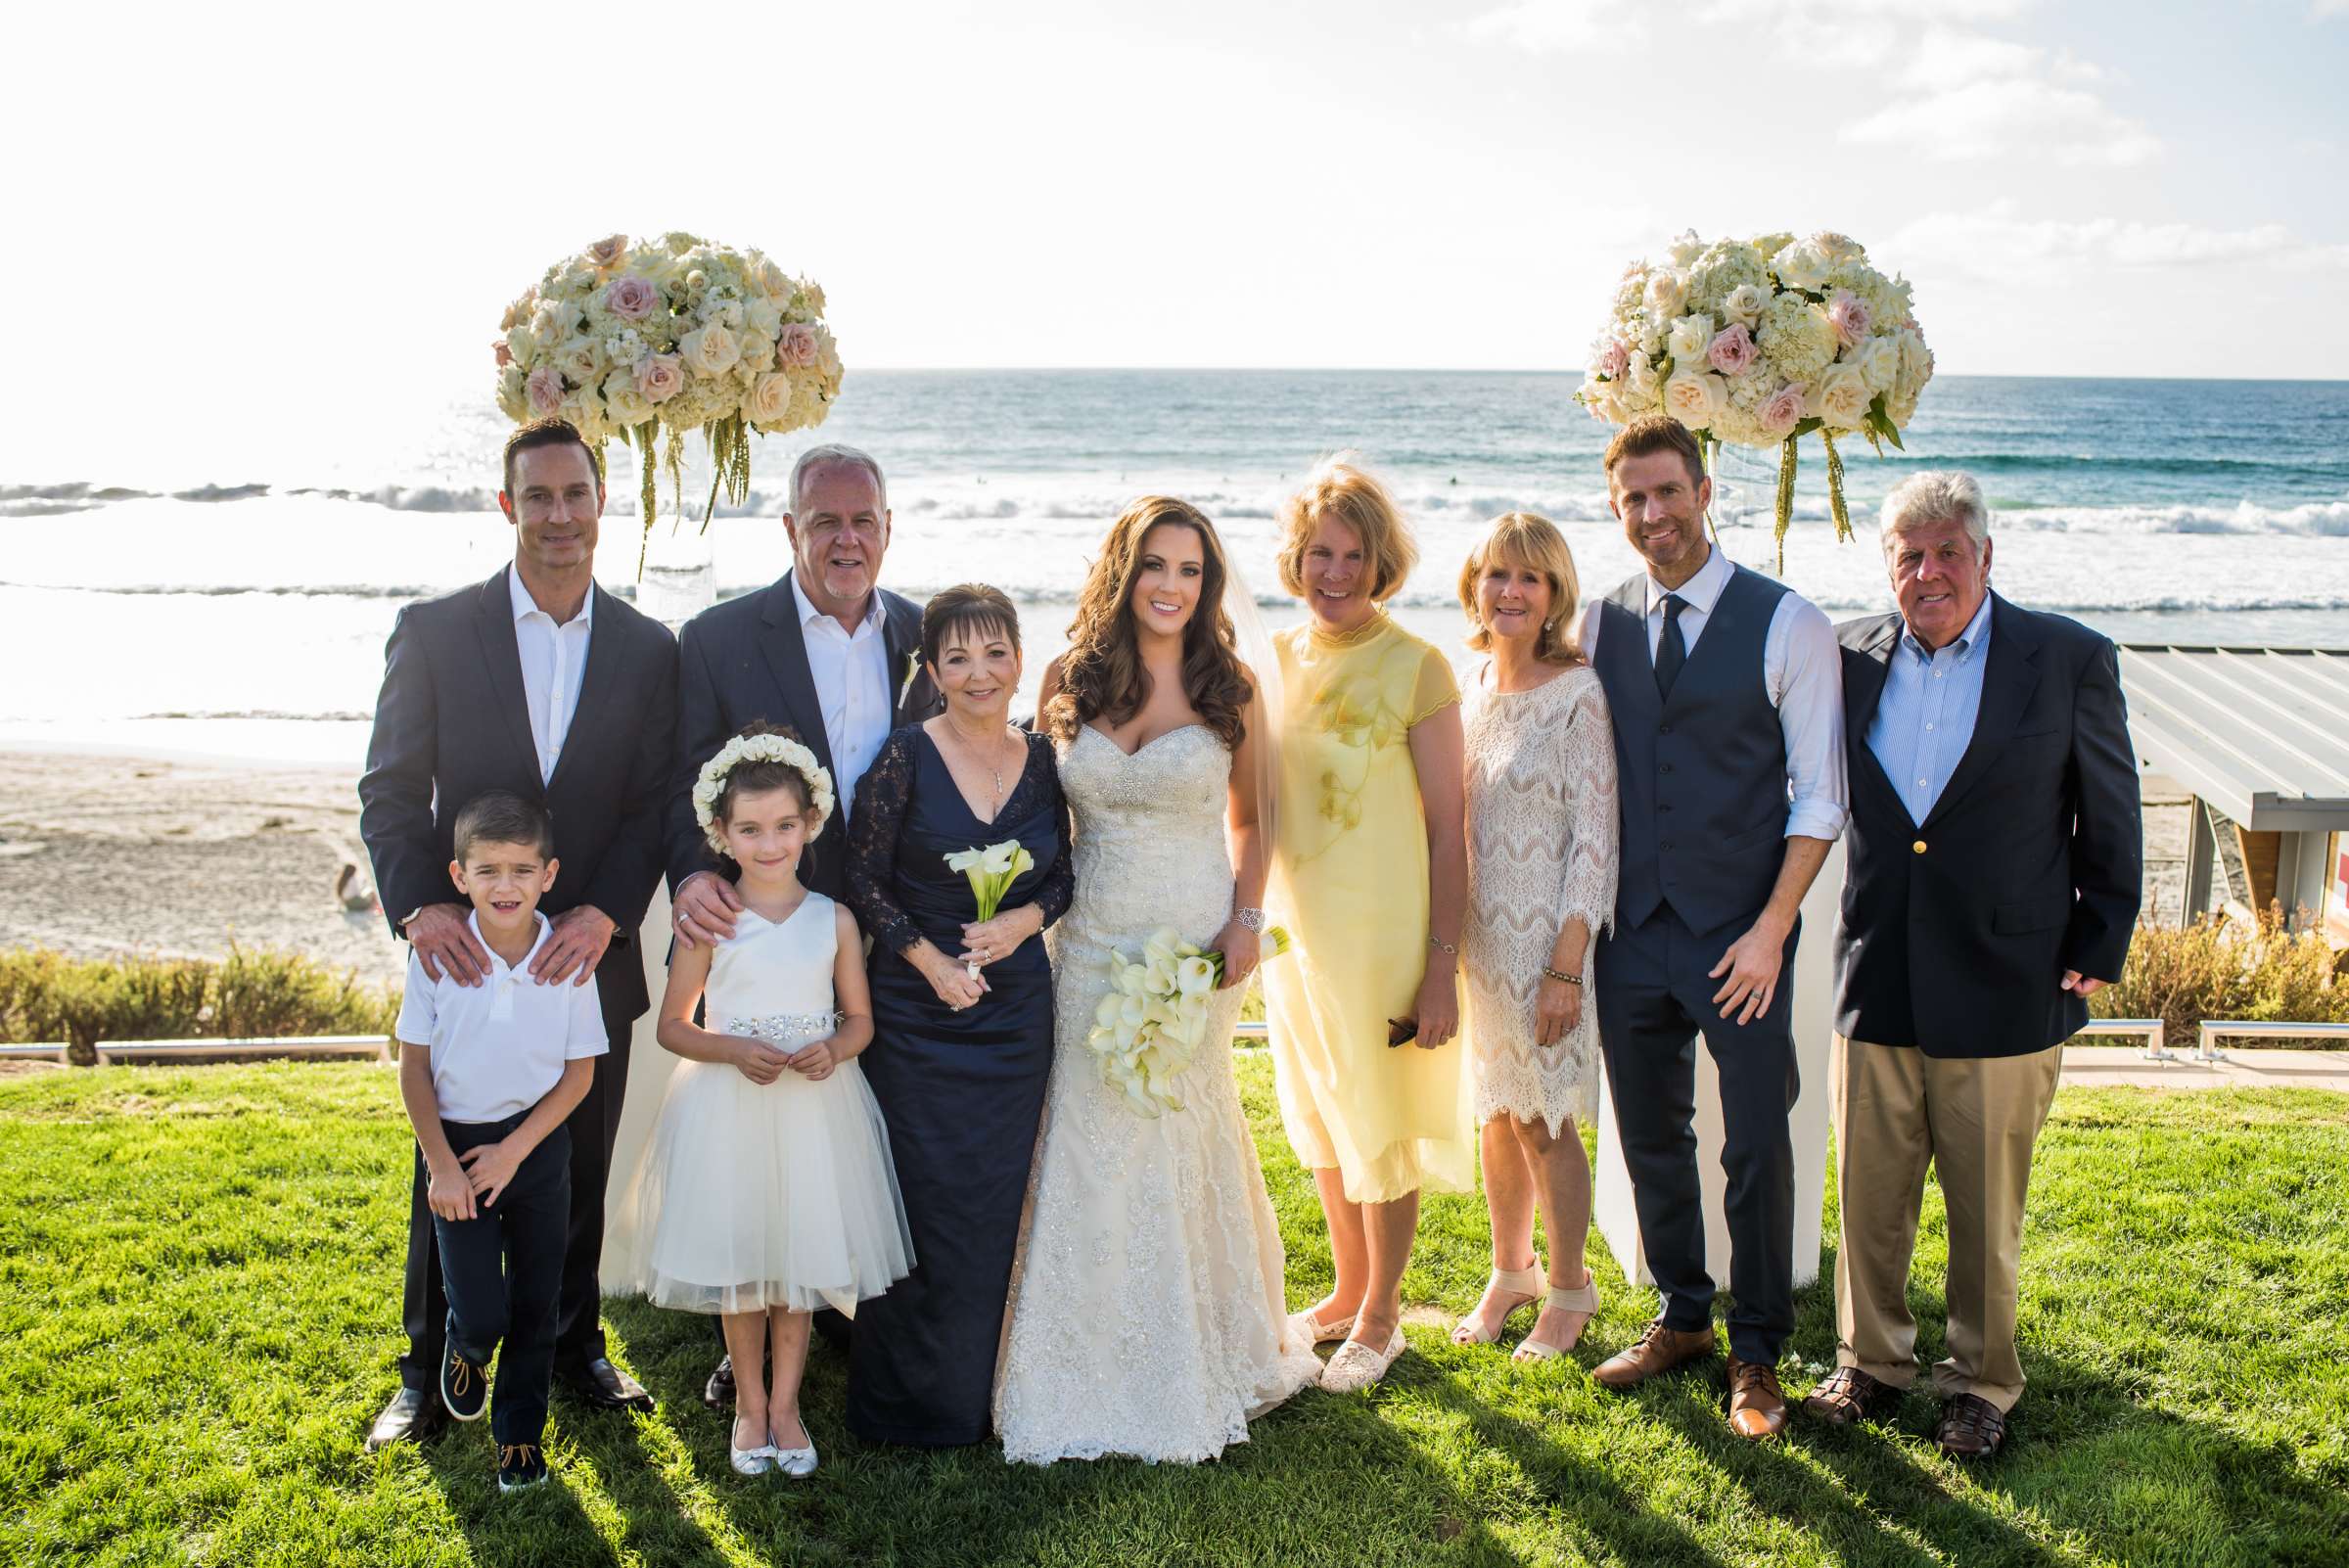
1371,873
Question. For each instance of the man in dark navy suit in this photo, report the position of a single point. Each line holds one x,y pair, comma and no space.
1729,752
1995,870
540,684
827,650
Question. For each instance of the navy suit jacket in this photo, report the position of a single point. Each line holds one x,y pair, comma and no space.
453,722
1954,932
745,660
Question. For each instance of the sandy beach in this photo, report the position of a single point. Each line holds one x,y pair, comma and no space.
105,854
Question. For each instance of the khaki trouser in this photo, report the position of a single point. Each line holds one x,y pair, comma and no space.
1975,1121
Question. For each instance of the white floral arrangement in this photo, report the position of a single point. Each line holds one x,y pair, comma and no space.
631,340
758,749
1148,1028
1759,342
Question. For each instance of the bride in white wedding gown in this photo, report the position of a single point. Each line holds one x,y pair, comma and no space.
1147,1313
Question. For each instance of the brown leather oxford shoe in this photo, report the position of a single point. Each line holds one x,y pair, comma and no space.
1757,1405
1659,1350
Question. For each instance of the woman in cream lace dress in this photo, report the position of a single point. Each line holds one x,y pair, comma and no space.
1542,868
1147,1316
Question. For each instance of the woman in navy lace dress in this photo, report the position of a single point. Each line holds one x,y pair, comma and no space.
958,1063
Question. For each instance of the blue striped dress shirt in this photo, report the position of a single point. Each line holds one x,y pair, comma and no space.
1926,715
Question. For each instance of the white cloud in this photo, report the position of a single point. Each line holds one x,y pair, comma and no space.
1991,242
1991,116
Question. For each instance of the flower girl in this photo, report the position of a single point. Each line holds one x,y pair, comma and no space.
766,1190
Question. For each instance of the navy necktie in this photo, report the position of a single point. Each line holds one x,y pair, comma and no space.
1671,650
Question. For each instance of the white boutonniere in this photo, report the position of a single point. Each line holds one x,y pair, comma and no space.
913,669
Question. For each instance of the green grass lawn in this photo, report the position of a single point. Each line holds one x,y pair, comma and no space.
201,1279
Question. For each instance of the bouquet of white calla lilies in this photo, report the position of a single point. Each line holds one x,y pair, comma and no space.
992,872
1149,1026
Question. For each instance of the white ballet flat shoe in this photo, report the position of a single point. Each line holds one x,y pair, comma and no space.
797,1463
751,1461
1314,1331
1357,1366
1523,1284
1584,1298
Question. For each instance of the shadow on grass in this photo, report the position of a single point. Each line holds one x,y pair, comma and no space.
1292,1494
2086,1453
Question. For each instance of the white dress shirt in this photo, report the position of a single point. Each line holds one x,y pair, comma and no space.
554,660
1802,671
852,687
1925,715
497,1048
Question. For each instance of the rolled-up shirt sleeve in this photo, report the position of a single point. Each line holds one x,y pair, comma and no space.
1805,671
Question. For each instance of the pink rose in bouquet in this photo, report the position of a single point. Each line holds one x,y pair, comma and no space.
631,299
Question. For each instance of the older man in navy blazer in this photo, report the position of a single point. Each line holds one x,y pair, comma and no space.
1994,871
825,650
539,684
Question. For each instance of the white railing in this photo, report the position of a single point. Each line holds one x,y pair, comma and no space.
2214,1029
116,1052
2150,1030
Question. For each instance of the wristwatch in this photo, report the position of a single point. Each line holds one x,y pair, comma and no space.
1249,919
401,924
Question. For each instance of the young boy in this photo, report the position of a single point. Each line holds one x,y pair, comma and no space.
489,1071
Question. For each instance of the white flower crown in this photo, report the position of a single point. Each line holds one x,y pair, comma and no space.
760,749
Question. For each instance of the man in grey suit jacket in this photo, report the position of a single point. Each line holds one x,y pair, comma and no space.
1994,881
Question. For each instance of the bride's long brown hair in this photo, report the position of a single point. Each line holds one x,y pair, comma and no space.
1101,676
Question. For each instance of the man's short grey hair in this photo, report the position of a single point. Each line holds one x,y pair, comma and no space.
828,456
1937,495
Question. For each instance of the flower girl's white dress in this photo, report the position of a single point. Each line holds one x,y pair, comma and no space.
757,1195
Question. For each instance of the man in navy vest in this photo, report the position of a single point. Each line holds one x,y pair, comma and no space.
1727,703
1997,860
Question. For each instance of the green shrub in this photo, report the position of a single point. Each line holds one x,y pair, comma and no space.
2215,968
252,994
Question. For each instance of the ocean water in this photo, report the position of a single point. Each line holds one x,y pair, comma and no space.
234,597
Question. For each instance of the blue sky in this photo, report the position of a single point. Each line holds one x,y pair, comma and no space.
330,212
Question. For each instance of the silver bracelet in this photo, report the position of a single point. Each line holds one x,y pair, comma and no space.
1249,919
1452,948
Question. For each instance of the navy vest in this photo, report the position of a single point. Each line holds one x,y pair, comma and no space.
1702,777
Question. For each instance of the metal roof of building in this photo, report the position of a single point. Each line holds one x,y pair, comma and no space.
2261,733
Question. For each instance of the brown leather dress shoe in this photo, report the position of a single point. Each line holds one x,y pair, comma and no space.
1757,1405
1659,1350
1971,1427
1848,1396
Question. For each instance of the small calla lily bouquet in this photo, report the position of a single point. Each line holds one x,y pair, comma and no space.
1148,1028
992,872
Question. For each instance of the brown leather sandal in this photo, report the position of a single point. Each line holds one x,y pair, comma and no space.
1971,1427
1848,1396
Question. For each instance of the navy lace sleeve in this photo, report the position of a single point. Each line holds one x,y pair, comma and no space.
881,795
1058,890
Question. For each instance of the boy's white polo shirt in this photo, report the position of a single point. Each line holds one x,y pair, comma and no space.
499,1047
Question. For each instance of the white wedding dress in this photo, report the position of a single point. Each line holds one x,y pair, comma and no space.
1147,1315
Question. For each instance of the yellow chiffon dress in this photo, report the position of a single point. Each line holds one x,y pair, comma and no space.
1349,881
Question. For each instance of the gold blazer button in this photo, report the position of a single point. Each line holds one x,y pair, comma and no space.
1918,846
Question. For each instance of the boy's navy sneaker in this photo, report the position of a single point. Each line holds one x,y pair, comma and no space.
464,1387
519,1465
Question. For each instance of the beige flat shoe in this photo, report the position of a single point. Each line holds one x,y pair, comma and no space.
1523,1283
1583,1299
1357,1366
1314,1331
